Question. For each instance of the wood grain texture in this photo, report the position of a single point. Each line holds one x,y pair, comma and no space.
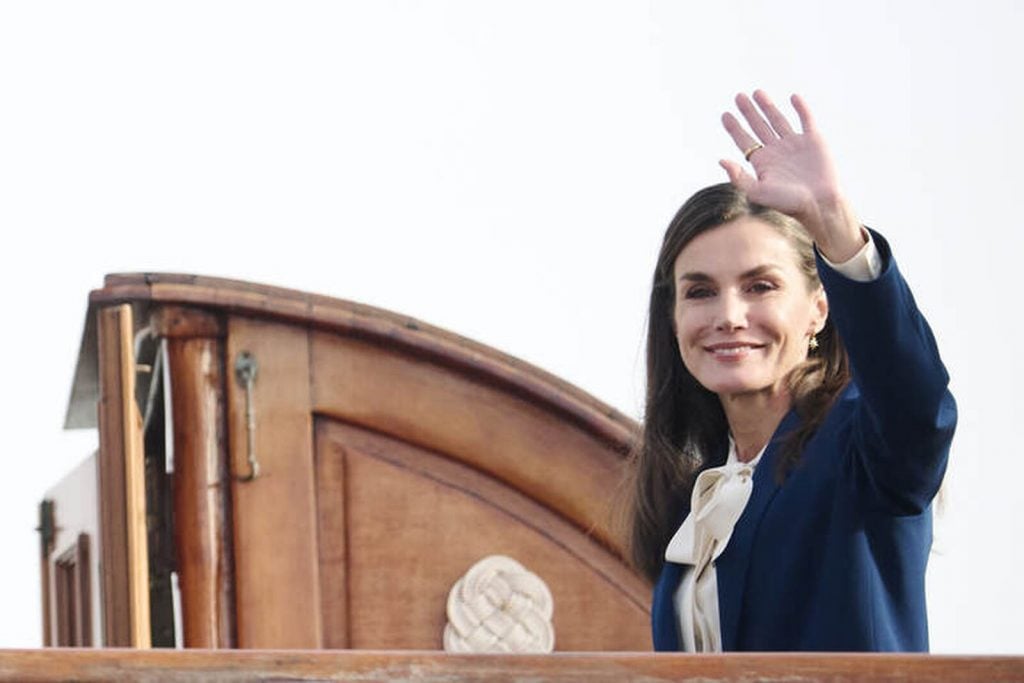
350,318
83,591
113,532
121,483
512,438
135,487
201,488
421,667
276,561
416,521
524,431
183,322
332,538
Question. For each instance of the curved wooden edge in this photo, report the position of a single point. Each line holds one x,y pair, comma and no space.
242,665
375,324
544,521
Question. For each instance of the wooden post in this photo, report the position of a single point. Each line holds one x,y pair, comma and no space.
202,529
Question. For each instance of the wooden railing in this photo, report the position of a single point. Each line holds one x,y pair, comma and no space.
248,665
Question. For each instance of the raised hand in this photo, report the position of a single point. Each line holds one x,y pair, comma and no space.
793,173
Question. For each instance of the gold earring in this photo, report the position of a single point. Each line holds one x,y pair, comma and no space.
813,343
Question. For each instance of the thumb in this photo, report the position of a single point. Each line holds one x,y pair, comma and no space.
738,176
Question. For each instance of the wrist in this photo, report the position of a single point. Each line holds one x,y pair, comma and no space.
834,227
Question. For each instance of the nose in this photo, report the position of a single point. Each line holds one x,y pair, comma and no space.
731,313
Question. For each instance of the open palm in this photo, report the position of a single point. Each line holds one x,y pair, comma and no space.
793,171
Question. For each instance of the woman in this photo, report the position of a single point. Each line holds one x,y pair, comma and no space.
798,420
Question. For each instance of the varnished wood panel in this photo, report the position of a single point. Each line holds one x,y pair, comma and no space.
276,560
526,432
332,538
83,591
417,521
353,319
121,481
423,667
514,439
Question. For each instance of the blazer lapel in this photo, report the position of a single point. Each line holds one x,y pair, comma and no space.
731,566
664,621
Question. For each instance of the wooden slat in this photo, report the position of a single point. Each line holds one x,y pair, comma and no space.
113,532
274,516
135,488
83,592
47,599
121,486
46,532
421,667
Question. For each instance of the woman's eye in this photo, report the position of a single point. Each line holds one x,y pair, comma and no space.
698,293
762,286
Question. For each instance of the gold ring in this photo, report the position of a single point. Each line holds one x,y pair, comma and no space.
749,151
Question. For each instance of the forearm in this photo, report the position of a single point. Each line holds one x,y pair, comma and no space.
907,414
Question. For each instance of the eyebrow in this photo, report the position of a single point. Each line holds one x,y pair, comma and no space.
757,271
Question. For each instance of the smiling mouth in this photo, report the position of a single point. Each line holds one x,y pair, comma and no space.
732,350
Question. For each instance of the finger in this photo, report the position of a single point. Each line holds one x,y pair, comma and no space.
739,178
744,140
754,119
775,117
802,110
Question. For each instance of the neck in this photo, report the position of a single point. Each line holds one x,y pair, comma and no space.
753,418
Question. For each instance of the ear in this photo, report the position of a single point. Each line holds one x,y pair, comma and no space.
819,304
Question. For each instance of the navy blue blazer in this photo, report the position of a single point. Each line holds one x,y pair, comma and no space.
834,558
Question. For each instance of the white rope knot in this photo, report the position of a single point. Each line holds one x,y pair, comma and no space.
499,606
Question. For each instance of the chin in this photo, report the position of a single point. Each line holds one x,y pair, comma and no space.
736,386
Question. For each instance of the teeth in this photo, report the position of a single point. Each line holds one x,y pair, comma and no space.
731,351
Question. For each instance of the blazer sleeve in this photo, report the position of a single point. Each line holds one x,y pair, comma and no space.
903,421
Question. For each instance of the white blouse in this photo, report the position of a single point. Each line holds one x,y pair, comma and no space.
720,495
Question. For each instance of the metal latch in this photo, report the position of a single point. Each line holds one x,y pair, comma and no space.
245,372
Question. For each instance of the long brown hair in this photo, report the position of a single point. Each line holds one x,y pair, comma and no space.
684,429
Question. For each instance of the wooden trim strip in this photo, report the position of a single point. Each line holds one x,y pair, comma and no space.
135,492
241,665
121,486
111,495
83,591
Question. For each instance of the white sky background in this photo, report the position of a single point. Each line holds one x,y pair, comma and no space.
504,170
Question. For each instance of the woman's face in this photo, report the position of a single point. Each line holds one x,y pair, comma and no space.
743,311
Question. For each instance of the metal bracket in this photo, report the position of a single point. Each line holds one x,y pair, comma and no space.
245,372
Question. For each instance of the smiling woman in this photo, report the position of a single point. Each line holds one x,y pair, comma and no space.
745,313
797,423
